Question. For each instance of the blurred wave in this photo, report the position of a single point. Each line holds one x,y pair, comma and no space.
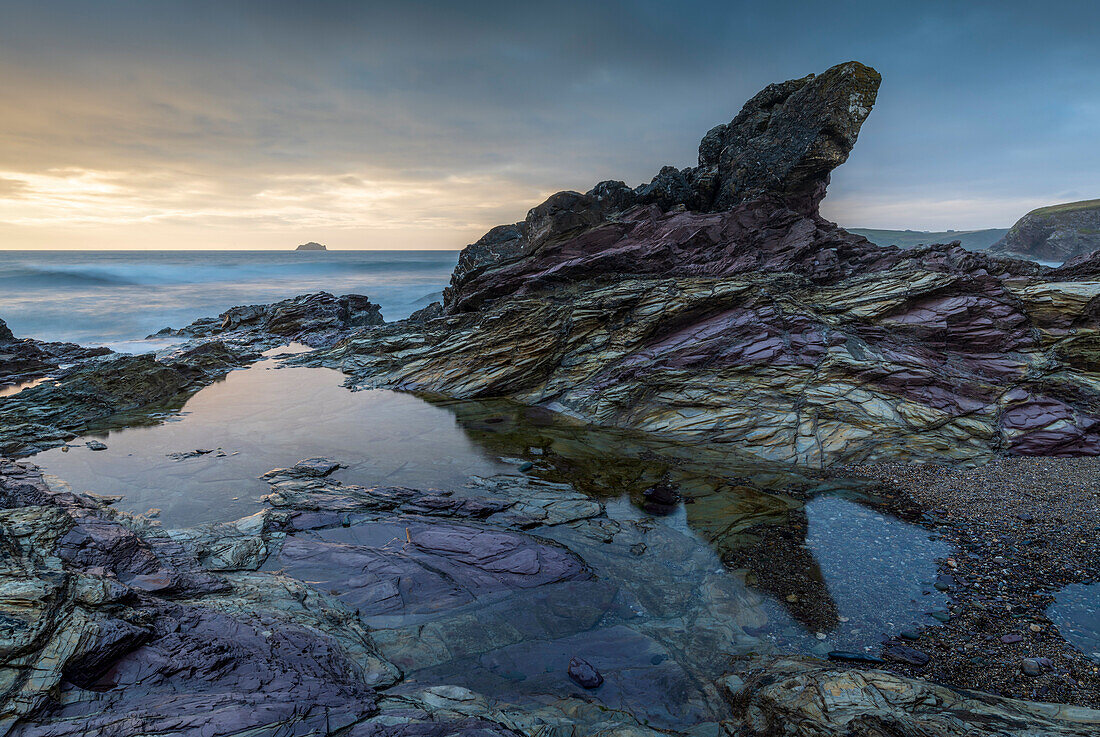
119,297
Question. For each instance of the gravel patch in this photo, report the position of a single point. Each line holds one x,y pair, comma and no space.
1022,528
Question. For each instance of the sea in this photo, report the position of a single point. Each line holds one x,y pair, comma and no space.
119,298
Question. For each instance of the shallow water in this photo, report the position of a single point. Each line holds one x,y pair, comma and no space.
262,418
680,587
12,389
1076,611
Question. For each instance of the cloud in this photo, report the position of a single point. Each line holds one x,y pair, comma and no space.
429,116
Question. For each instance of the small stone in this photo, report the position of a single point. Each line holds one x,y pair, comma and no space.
792,598
1031,667
910,634
1011,638
526,466
845,656
96,445
940,616
584,674
1034,627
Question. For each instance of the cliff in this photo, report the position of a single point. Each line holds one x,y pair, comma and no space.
1055,233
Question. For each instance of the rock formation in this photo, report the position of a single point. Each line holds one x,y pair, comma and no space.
804,698
95,390
716,304
311,246
1055,233
22,360
314,319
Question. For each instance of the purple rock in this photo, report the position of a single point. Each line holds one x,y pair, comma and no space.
584,673
1011,638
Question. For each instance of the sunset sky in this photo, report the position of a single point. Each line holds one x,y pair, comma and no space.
265,124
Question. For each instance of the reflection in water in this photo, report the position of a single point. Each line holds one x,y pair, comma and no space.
13,389
835,567
1076,611
828,566
262,418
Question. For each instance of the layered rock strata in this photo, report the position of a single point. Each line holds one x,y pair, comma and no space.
27,359
716,304
313,319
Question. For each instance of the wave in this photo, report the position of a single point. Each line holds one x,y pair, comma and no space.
90,275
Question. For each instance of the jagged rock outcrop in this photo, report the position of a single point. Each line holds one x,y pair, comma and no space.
99,386
314,319
740,316
1055,233
311,246
778,153
22,360
96,389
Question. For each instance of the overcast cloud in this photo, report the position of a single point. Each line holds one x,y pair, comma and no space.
421,124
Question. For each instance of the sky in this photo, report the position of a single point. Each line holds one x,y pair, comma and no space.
268,123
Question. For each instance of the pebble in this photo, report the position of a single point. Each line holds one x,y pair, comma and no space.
1031,667
1011,638
96,445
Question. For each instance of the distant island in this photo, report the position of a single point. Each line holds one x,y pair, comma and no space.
311,246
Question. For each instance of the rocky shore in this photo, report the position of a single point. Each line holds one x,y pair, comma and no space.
1023,529
716,305
730,356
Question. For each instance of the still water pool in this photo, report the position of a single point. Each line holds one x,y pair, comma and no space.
739,559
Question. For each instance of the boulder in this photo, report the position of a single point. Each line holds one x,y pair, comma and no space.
779,150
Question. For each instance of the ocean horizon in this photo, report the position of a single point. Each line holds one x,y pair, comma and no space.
118,298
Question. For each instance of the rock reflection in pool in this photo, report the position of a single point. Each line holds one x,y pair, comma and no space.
877,570
1076,611
263,418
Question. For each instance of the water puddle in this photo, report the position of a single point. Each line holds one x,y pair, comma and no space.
204,463
1076,611
702,555
12,389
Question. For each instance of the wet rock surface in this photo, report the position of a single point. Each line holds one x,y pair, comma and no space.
312,319
807,698
100,388
26,359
